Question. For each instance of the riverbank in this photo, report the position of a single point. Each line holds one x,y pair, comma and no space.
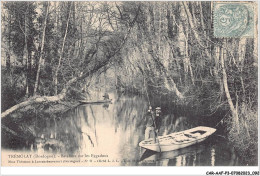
20,127
244,135
23,121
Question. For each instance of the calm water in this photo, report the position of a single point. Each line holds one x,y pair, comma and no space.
116,129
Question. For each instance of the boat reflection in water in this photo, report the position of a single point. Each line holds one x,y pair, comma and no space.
115,130
202,154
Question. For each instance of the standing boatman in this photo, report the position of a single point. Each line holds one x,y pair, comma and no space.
158,118
153,123
150,126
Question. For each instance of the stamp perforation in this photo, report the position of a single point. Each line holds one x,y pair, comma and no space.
233,19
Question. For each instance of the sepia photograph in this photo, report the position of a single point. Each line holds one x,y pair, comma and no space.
129,83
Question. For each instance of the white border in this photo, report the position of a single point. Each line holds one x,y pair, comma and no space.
185,170
123,170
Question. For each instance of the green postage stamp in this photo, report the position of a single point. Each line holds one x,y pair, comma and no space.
233,19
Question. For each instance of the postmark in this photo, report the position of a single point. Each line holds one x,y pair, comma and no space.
233,19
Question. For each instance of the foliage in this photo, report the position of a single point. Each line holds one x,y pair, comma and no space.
158,49
245,139
12,90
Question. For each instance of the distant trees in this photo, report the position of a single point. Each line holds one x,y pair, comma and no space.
59,44
170,45
173,45
19,36
41,49
174,48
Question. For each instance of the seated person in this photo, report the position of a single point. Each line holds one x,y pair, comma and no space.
106,96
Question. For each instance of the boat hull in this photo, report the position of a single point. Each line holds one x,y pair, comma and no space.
95,102
165,148
172,144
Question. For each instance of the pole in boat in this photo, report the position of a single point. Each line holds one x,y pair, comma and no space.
155,127
155,132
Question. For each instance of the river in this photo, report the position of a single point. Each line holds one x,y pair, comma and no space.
113,131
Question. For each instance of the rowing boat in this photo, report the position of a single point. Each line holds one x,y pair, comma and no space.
97,101
178,140
152,156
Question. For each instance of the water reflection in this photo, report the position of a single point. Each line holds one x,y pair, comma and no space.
116,129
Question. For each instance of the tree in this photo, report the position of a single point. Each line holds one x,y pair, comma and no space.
41,50
105,47
62,51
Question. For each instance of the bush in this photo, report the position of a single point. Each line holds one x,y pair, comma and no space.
12,90
244,136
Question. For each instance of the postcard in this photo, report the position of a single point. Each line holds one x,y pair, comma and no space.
129,83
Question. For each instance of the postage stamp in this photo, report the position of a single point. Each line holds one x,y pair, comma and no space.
233,19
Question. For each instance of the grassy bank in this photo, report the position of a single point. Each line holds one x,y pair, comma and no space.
244,135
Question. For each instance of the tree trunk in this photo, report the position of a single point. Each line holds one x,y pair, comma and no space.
192,24
8,53
225,83
170,85
82,75
41,51
187,57
204,27
241,59
34,100
169,82
170,24
26,53
61,55
216,70
73,27
256,37
28,50
194,29
61,95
